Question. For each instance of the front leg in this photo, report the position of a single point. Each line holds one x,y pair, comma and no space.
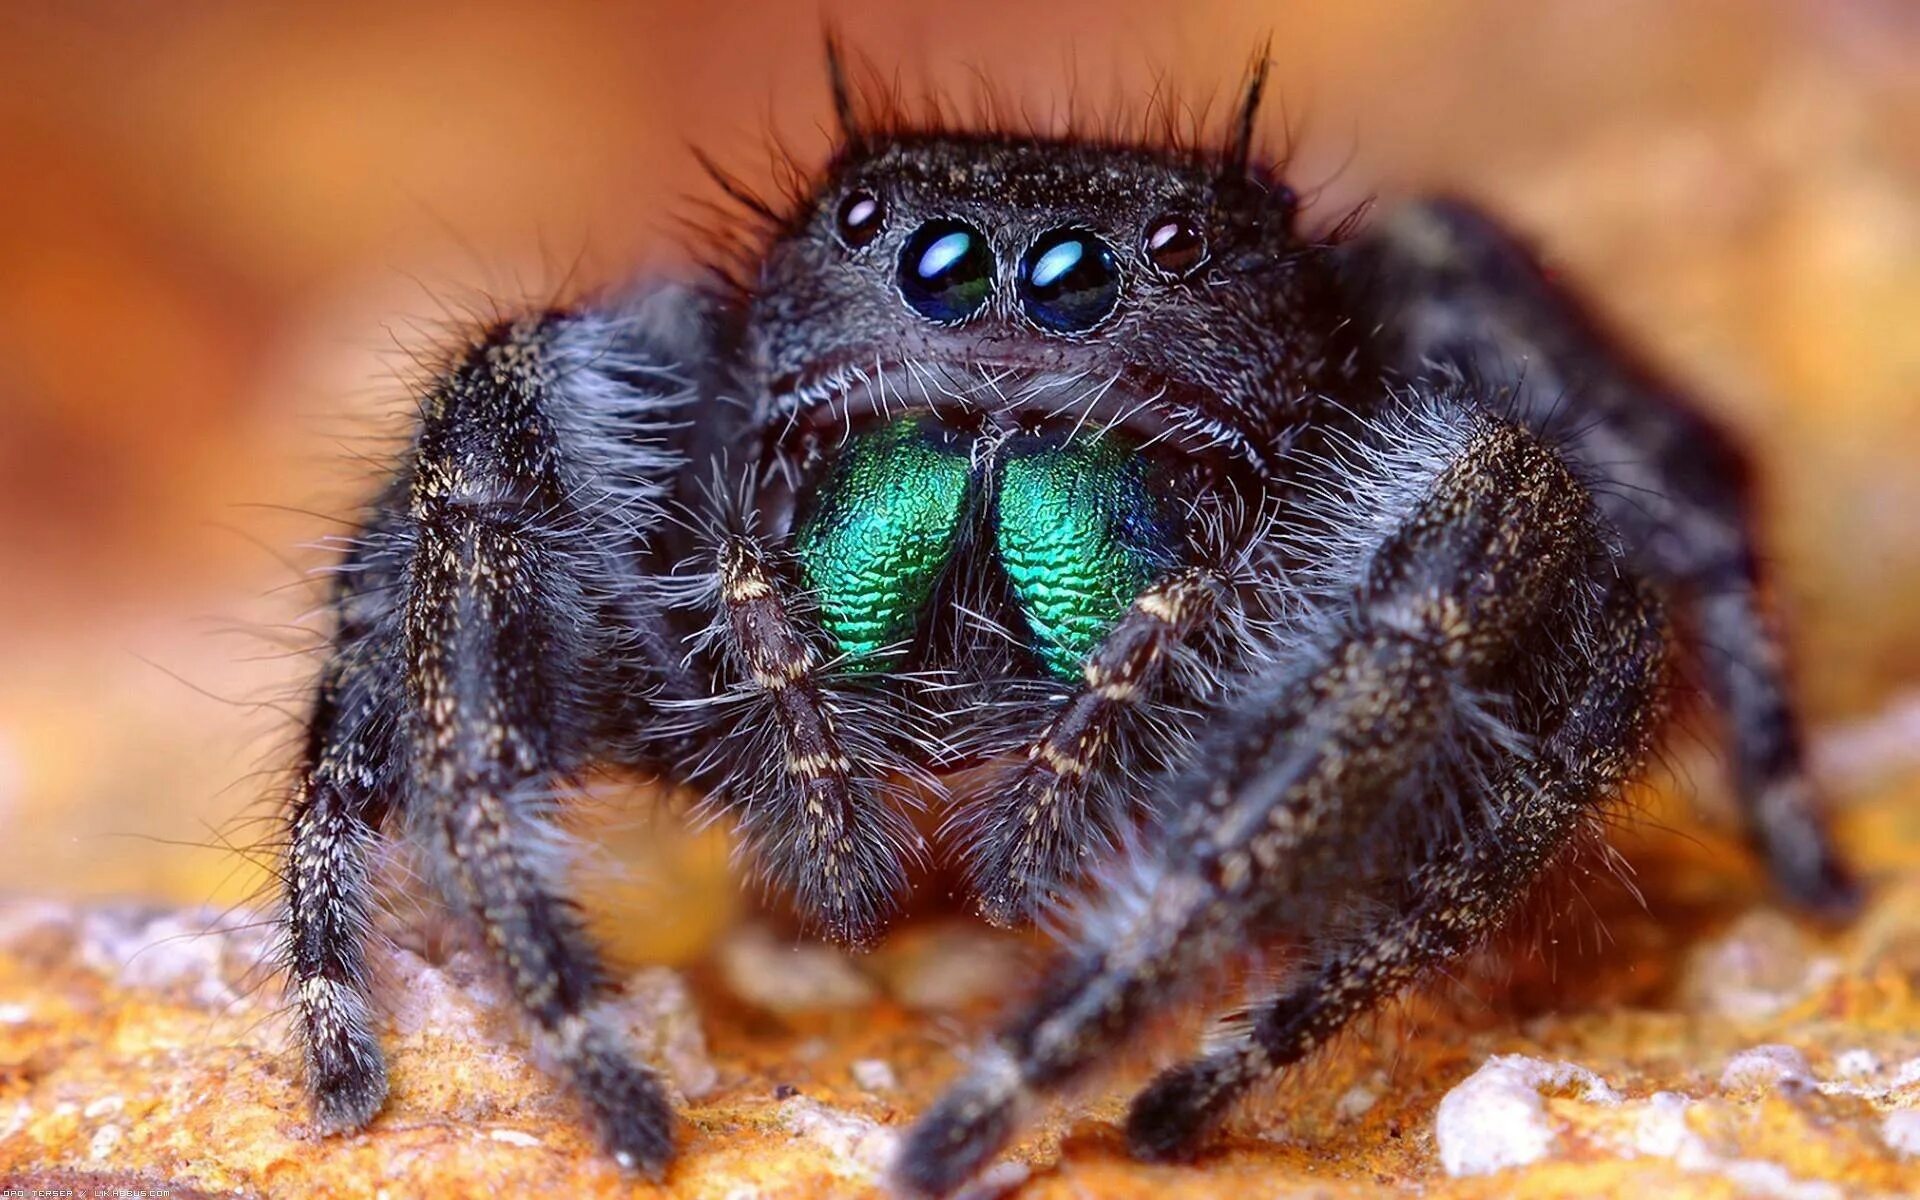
1062,800
811,812
1314,767
1452,290
346,786
1459,889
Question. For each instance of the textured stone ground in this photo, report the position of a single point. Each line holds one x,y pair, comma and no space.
1719,1049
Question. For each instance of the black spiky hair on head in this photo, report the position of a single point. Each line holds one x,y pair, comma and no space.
869,110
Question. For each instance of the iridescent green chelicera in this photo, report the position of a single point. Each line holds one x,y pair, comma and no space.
1080,535
885,525
1076,529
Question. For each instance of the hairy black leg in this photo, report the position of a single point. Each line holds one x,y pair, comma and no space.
327,886
1452,289
1043,816
502,649
493,635
349,776
1296,787
818,831
339,803
1464,889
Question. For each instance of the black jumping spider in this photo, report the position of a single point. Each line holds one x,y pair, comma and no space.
1249,574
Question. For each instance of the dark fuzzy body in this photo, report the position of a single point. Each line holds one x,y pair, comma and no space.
1413,636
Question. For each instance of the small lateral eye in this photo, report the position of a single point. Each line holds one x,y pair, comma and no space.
859,219
1175,245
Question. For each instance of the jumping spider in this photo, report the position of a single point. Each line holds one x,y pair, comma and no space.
1249,574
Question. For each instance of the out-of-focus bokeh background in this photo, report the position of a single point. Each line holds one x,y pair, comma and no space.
222,223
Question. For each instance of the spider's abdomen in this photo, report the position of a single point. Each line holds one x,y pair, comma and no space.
1073,525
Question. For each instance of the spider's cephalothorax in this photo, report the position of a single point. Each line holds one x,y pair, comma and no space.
1074,463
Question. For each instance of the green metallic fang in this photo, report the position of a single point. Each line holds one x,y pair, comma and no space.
1080,535
886,523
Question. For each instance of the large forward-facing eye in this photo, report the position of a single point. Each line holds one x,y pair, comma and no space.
1069,281
946,271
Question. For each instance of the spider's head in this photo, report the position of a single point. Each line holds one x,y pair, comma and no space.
1024,280
1031,356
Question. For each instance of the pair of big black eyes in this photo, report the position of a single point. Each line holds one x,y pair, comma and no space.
1069,279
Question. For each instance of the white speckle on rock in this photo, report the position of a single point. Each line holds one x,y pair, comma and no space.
105,1106
1356,1102
858,1143
211,958
1900,1130
1905,1075
214,959
1662,1129
1772,1181
1856,1064
159,951
1762,965
1000,1179
105,1141
1855,1072
460,996
1771,1066
514,1137
456,998
22,1113
873,1075
658,1012
1861,1073
786,977
1663,1132
1495,1118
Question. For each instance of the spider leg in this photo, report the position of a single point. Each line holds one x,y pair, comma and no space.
1305,776
487,647
345,788
1462,889
1045,813
815,828
1454,290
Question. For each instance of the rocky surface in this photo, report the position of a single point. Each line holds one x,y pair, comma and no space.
1708,1046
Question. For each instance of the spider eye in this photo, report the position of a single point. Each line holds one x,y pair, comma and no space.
859,220
1069,280
946,271
1175,245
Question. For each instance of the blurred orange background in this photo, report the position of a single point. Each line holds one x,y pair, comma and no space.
221,222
